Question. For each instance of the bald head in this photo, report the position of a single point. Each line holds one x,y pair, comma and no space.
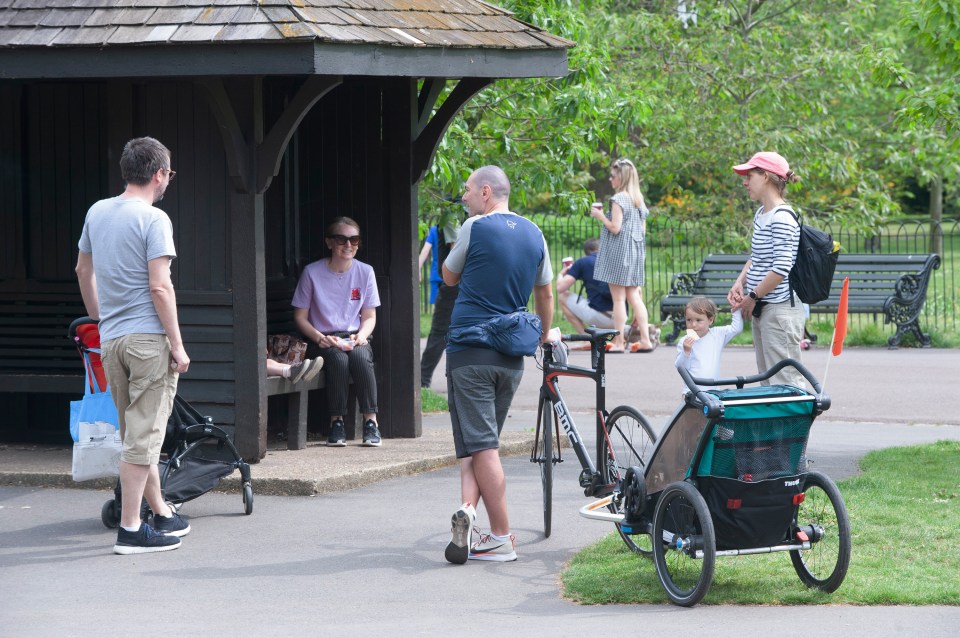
487,190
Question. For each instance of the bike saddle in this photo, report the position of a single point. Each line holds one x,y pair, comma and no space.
601,333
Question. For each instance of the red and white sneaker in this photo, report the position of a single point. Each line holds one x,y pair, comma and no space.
492,549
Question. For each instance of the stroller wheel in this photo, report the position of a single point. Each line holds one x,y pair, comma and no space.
247,499
110,514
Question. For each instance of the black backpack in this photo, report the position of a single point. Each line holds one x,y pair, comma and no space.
812,273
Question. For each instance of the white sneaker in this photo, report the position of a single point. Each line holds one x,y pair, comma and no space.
489,548
461,532
306,371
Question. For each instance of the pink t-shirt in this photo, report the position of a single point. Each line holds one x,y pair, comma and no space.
334,300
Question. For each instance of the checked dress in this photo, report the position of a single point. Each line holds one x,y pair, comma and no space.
621,256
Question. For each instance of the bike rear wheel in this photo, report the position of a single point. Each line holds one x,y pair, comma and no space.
631,441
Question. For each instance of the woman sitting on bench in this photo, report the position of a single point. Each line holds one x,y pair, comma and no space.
335,307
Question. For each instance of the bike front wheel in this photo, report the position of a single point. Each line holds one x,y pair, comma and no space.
546,464
631,441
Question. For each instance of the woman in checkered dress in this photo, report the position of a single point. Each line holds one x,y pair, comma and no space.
622,252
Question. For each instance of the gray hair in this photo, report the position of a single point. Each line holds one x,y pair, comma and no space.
142,157
591,246
495,178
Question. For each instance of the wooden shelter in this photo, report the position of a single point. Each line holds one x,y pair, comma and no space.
280,115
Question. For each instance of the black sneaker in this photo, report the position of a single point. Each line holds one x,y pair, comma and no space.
144,541
371,434
172,525
338,435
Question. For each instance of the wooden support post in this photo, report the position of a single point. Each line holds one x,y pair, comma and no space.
400,396
249,323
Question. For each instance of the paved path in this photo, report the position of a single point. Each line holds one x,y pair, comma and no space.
369,561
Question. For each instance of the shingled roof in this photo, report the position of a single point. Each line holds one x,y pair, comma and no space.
469,24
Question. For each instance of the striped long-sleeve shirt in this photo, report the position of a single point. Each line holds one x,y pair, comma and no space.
776,236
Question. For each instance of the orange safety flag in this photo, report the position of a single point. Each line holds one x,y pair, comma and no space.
840,329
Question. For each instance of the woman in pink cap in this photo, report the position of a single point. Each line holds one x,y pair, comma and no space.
763,287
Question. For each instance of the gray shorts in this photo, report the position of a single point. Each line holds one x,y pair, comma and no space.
581,309
479,398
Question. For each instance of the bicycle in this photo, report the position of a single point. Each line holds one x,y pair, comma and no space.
624,436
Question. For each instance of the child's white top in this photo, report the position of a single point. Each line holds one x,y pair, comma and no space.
704,358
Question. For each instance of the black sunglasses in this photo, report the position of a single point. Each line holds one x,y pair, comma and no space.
343,239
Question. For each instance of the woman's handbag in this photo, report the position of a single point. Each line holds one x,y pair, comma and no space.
94,426
515,335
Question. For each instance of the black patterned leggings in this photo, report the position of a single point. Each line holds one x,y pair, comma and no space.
340,366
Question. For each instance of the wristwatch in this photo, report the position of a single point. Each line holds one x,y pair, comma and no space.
753,295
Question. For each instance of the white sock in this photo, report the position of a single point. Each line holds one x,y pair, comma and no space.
132,529
286,372
500,538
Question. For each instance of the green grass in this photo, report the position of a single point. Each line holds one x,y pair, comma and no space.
431,401
905,519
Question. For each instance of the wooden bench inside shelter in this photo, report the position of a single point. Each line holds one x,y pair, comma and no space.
894,285
36,354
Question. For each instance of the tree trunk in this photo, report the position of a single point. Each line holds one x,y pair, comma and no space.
936,216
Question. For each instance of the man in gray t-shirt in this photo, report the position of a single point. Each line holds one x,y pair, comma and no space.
124,272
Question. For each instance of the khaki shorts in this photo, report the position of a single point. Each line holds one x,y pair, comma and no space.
143,386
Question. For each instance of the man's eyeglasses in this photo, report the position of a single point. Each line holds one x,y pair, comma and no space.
343,239
171,174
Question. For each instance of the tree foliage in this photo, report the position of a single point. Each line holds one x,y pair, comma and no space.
687,89
920,69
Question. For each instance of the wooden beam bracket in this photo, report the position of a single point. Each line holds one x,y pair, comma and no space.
429,136
270,151
234,144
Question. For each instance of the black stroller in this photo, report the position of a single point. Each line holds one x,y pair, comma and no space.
198,453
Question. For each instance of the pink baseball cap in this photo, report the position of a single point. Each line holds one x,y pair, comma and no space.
767,161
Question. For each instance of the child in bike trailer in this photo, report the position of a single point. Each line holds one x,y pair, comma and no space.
700,349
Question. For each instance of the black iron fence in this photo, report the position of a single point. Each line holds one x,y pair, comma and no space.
676,246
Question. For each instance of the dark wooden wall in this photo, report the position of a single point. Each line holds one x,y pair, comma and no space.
60,153
60,144
337,164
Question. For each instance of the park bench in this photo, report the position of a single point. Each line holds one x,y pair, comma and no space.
895,285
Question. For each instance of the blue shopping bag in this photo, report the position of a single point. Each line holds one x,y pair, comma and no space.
95,428
94,408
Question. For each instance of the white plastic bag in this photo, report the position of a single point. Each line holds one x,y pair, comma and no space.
97,453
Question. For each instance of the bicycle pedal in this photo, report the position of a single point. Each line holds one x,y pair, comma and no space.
600,491
587,480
